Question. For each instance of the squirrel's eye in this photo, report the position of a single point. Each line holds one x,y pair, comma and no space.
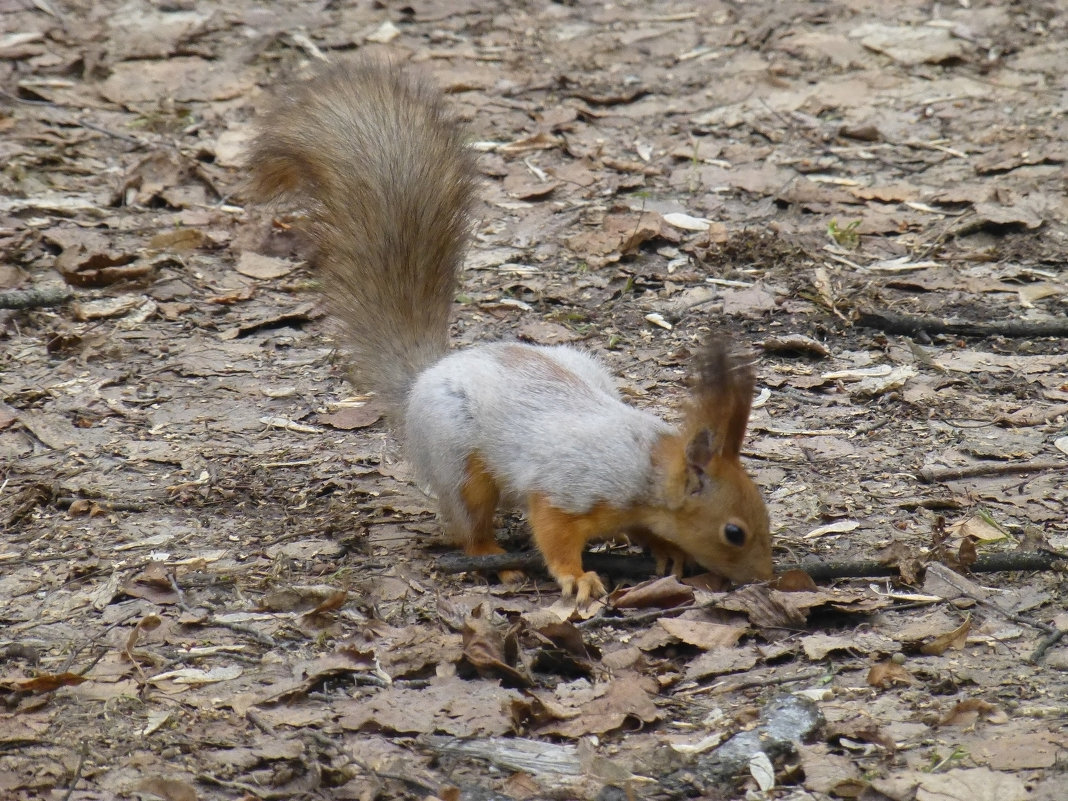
735,534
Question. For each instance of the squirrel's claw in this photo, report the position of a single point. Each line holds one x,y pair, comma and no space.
583,587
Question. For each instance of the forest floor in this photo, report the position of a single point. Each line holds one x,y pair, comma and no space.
216,577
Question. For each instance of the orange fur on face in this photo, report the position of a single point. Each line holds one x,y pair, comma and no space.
697,521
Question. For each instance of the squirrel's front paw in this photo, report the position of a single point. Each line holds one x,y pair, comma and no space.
583,587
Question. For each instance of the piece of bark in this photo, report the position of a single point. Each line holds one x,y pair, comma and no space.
35,298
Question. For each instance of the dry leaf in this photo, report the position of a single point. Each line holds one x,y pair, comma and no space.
168,789
720,661
702,634
618,234
686,222
795,343
450,705
795,581
967,713
837,527
608,709
490,652
255,265
911,45
888,674
664,593
43,683
348,418
981,527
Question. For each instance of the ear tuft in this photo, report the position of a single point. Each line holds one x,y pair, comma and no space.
723,394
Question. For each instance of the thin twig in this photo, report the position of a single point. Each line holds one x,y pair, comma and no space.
69,663
257,721
211,620
601,619
241,628
92,126
1045,644
768,681
107,506
933,475
819,570
311,766
609,563
82,755
618,565
172,579
911,325
400,777
103,652
255,792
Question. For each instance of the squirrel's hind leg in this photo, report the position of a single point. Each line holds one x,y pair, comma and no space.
479,497
560,537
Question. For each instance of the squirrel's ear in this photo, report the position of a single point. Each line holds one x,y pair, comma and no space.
699,452
701,448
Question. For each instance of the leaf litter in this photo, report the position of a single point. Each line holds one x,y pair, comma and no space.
208,542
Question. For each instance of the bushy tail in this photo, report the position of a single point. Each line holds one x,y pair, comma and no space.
378,164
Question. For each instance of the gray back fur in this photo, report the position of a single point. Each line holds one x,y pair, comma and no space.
543,419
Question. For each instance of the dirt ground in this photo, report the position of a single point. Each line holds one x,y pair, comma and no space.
216,579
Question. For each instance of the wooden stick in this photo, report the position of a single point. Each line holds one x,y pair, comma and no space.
1045,644
911,325
933,475
610,563
642,566
819,570
35,298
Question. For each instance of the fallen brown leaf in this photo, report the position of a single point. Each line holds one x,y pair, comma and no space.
702,634
967,713
607,708
887,674
663,593
955,639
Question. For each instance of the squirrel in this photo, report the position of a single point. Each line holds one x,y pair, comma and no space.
378,163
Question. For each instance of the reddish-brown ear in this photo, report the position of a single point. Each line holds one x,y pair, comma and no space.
700,450
723,395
